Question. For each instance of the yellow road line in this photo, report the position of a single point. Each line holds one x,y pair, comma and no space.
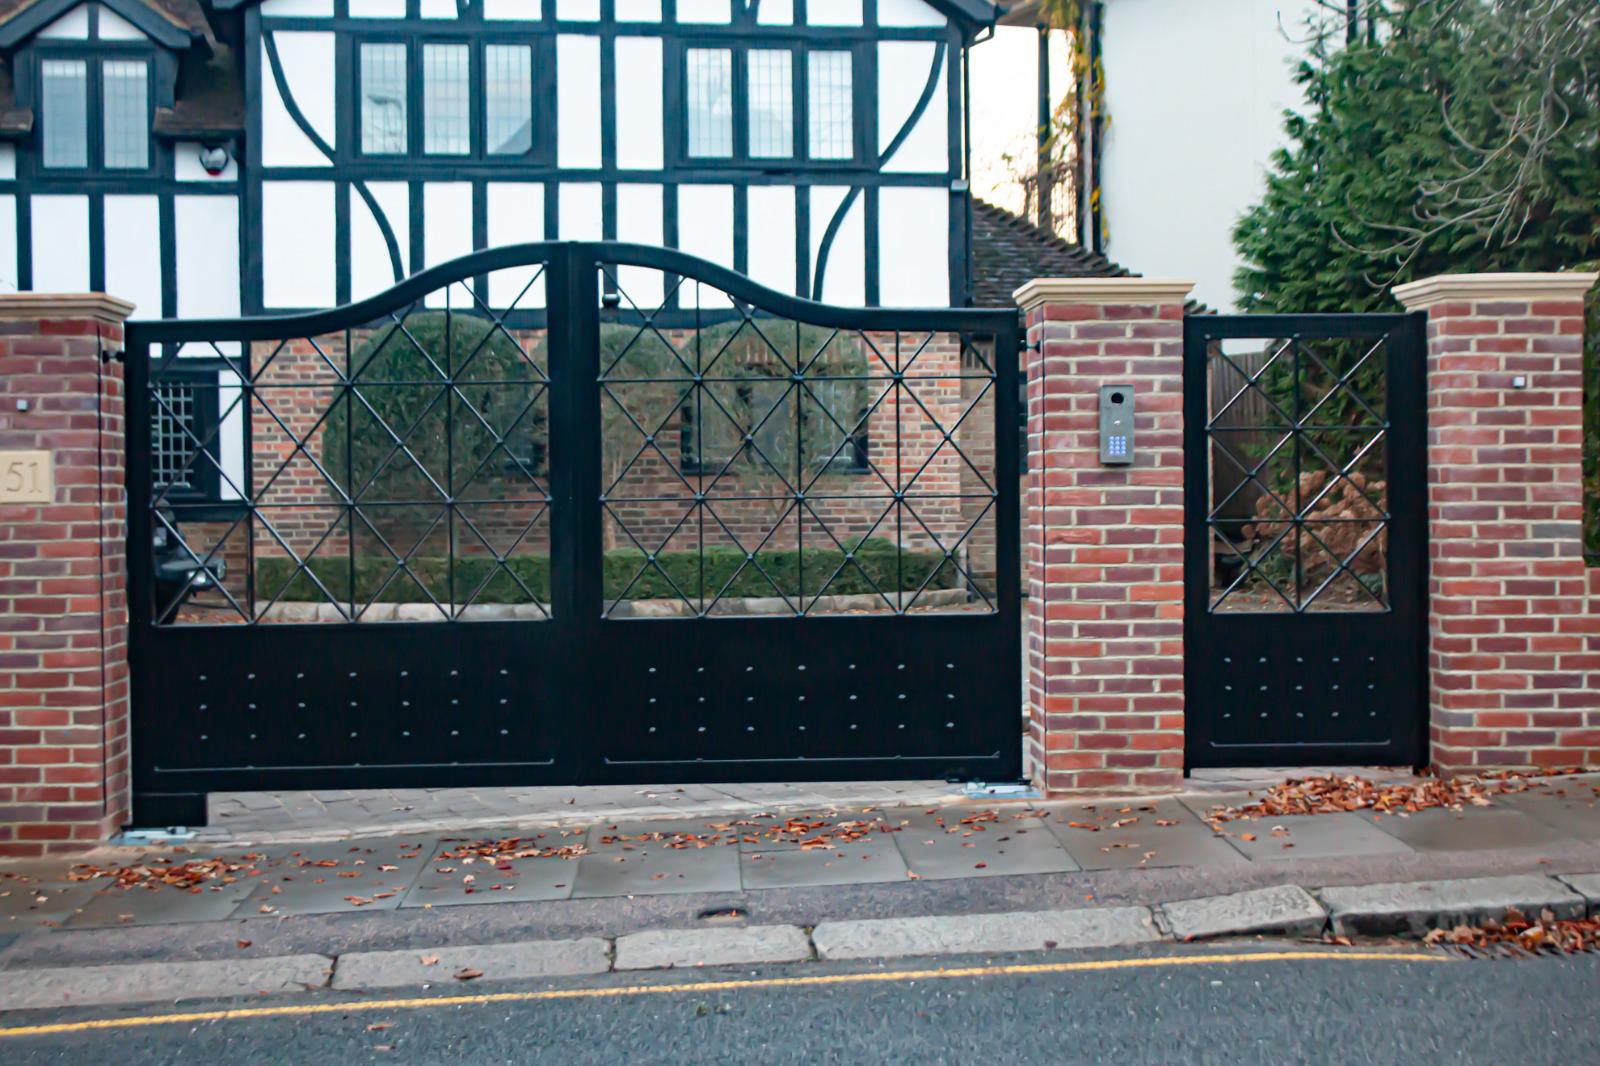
814,981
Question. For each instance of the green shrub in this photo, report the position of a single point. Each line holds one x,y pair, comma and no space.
875,558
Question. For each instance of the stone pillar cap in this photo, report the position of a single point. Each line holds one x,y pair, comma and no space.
39,305
1559,285
1102,291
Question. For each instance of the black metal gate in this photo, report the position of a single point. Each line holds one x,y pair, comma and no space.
571,513
1306,556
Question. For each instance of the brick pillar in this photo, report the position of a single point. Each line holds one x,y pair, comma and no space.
1514,616
1104,544
63,602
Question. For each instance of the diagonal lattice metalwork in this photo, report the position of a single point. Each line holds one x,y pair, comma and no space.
361,449
1297,446
751,454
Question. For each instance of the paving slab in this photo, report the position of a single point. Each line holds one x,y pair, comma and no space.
154,903
874,860
938,846
1287,909
1571,811
31,899
451,879
1417,906
151,982
645,868
660,949
1587,886
887,938
491,962
1474,829
1163,833
1312,836
361,874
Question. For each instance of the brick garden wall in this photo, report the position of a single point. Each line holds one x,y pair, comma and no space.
63,603
1514,641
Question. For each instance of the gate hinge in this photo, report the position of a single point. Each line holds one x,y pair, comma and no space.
108,354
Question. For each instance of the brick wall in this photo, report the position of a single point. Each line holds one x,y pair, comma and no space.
1514,635
1104,545
63,604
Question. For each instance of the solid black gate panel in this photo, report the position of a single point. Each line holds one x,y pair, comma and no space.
571,513
1306,556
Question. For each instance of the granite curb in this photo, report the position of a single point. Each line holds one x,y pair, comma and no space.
1402,908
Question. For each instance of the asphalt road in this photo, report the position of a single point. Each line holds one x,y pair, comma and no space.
1129,1007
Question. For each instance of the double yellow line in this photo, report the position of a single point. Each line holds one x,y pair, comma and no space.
302,1010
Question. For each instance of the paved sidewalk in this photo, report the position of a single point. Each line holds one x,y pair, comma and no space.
267,817
751,852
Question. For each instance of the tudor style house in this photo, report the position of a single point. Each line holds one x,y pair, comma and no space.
227,156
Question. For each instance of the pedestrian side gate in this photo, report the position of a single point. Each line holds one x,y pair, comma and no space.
571,513
1306,557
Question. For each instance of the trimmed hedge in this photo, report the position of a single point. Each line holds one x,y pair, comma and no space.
877,557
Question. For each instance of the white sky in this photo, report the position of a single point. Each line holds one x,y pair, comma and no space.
1005,83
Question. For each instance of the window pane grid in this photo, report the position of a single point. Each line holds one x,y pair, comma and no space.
383,99
446,100
832,130
508,98
771,104
710,94
65,107
170,444
125,106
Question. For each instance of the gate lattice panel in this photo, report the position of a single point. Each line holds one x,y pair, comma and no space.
1305,559
571,513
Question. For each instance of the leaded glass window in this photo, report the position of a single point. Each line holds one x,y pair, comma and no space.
709,89
508,99
383,99
64,107
125,113
446,100
829,85
771,77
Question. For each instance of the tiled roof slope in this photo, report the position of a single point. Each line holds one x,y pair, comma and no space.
1008,251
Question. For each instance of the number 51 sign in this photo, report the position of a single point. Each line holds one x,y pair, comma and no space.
26,477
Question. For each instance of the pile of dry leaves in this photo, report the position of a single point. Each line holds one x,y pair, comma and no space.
195,875
508,848
1547,934
1330,795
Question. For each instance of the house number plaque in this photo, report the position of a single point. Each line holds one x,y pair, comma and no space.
27,477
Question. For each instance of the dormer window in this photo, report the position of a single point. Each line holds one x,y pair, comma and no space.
94,113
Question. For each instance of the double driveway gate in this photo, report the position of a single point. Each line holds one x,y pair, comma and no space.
1305,540
571,513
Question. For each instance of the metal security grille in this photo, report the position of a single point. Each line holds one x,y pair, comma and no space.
574,513
172,429
1305,555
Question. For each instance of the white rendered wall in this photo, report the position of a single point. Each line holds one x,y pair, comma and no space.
60,236
133,252
1196,91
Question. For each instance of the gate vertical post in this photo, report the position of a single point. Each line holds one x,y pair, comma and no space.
1513,613
1104,544
63,601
